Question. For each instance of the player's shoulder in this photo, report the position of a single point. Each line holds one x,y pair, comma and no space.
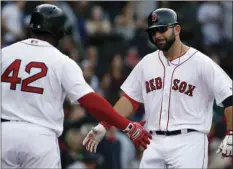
63,61
9,49
66,59
68,62
150,56
201,57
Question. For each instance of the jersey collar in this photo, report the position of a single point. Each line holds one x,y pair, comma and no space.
178,60
36,42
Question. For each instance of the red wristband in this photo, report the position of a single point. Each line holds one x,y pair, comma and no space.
229,132
106,125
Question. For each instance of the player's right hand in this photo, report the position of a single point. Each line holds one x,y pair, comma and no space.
138,134
94,137
225,148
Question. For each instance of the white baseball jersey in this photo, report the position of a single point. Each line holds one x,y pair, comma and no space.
178,94
36,77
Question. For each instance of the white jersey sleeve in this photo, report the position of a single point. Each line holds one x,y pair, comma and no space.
132,85
73,81
220,84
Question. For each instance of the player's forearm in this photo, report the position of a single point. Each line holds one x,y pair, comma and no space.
228,115
124,107
98,107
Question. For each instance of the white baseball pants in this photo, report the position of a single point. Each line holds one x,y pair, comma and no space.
188,150
26,145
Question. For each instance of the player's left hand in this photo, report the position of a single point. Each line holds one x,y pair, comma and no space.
226,146
138,134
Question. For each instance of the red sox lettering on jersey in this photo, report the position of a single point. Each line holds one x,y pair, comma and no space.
178,85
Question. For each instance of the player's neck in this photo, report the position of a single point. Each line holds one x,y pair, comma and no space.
176,50
45,38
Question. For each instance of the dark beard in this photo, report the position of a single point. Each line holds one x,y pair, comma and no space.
166,46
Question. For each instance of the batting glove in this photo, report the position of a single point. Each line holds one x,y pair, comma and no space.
134,131
226,146
94,137
138,134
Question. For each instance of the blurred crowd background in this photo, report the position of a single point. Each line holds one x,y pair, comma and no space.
107,40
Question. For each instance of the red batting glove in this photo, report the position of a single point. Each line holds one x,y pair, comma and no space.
138,134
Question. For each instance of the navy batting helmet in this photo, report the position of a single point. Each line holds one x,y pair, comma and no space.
48,18
160,19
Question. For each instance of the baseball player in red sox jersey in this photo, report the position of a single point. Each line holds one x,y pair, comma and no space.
35,79
177,85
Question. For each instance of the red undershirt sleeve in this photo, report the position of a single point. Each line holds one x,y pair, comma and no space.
102,110
134,103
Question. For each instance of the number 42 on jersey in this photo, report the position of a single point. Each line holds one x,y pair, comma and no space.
15,79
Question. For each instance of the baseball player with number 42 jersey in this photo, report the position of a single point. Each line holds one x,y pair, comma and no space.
36,77
177,85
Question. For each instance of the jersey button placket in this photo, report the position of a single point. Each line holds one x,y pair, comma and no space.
166,97
164,111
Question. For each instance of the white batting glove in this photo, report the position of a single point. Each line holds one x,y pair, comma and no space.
226,146
94,137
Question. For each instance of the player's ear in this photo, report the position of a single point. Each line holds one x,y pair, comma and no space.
177,29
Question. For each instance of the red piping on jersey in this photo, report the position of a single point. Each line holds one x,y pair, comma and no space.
134,103
171,87
161,107
36,45
178,56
